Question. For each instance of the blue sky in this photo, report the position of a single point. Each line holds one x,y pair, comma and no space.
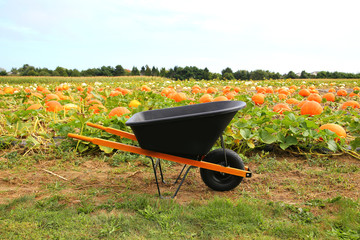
275,35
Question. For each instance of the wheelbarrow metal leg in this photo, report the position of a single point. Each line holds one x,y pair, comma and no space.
177,179
156,164
156,179
183,179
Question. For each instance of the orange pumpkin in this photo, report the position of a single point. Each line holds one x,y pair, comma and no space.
166,91
114,93
34,107
52,96
196,90
339,130
211,90
352,94
125,91
330,97
9,90
231,95
311,108
281,107
300,104
40,88
178,97
80,89
283,91
314,97
93,101
282,96
145,88
226,90
89,89
269,90
27,90
118,111
341,92
96,108
53,106
206,98
332,90
292,101
304,92
258,98
353,104
220,98
261,90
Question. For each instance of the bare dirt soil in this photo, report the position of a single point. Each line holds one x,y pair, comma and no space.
293,181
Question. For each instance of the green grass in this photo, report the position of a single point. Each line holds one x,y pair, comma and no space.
145,217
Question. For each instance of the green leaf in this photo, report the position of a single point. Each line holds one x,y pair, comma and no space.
289,140
311,124
250,144
306,133
106,149
281,137
355,143
292,117
332,145
293,129
266,137
241,124
245,133
270,130
82,147
287,122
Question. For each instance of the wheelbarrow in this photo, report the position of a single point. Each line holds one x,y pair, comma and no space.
184,135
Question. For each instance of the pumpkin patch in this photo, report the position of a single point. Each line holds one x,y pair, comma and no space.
284,114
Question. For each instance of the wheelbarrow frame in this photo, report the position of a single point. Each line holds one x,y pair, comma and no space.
246,173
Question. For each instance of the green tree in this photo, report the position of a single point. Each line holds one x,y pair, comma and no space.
105,71
259,75
62,71
291,75
322,74
135,71
242,75
155,71
206,74
3,73
14,71
74,73
142,71
163,72
119,71
228,76
27,70
147,71
44,73
304,75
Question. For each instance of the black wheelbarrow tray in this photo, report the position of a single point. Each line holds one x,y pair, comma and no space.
185,135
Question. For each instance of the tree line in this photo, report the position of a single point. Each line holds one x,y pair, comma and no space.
177,73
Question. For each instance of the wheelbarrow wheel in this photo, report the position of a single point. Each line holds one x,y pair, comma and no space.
221,181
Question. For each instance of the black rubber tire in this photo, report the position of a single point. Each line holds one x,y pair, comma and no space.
222,181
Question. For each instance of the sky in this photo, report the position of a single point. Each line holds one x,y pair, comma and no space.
277,35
